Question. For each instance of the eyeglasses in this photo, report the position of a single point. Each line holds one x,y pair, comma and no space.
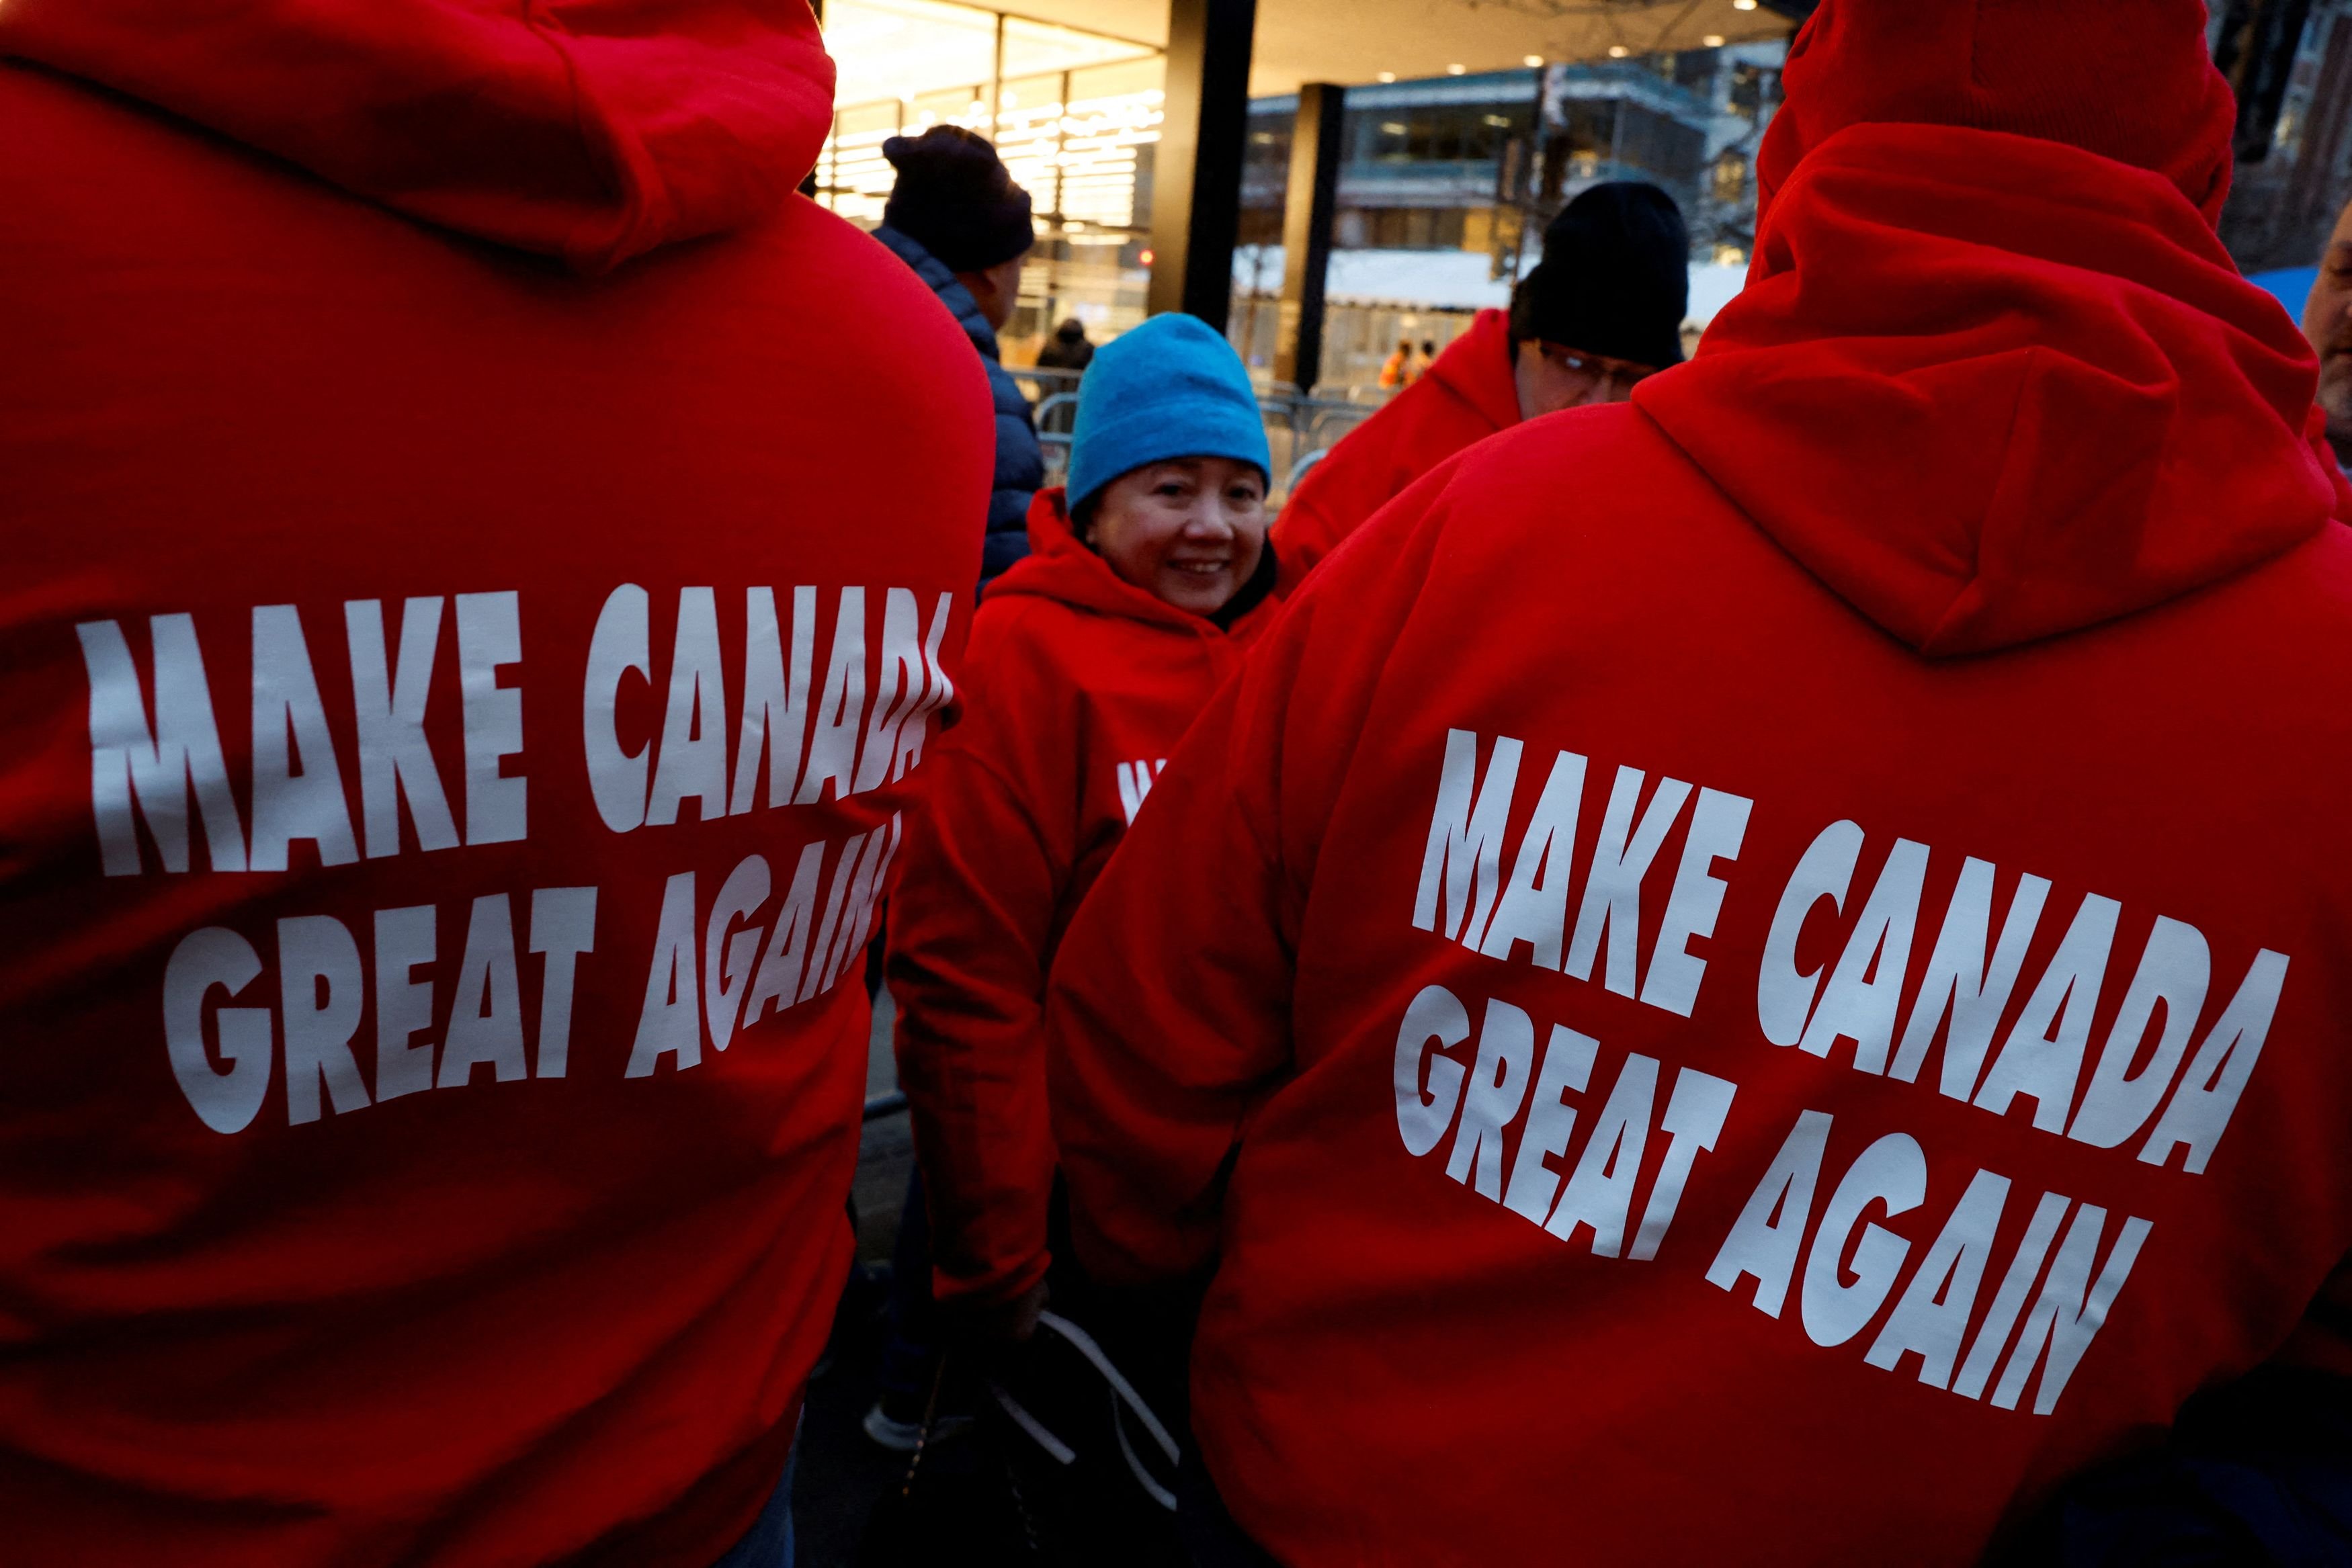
1597,368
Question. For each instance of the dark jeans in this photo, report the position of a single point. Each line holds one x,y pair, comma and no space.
769,1542
912,1349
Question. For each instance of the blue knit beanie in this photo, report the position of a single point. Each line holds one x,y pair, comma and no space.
1171,388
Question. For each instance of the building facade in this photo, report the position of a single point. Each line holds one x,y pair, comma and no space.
1480,162
2290,62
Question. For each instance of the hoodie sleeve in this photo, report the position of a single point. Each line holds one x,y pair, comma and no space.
1168,1019
970,920
1366,469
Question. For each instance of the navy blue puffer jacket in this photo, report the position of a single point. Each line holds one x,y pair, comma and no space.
1020,465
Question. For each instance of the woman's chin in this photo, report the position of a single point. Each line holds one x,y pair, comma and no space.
1191,591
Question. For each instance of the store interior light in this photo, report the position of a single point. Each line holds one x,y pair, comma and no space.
1743,4
1388,75
1618,51
1455,70
906,65
1713,40
1534,59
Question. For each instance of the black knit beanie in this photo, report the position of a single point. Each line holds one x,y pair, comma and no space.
1615,279
955,200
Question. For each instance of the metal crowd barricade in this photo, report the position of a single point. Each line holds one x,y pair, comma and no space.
1046,381
1057,417
1309,425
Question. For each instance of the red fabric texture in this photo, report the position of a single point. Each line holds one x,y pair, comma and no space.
1078,686
2118,417
590,130
2022,67
455,1287
1467,394
1981,537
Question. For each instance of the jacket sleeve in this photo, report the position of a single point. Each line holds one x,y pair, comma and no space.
970,913
1170,1011
1020,471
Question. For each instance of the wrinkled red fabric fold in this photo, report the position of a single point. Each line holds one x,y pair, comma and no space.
1468,394
2116,417
593,131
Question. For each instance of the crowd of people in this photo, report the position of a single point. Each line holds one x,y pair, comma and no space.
1661,964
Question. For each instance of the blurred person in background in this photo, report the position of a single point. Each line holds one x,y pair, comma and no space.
1603,309
958,219
1396,368
1762,975
449,744
1088,662
1069,351
2327,323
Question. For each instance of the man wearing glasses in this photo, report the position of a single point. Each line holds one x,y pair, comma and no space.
1602,310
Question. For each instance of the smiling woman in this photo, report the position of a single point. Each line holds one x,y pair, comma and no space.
1088,662
1191,530
1168,465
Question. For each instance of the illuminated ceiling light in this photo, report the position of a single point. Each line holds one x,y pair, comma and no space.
1388,75
1454,71
1713,40
1012,100
1618,51
1534,59
1743,4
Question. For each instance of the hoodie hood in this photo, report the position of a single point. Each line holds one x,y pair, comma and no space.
1990,387
592,130
1476,368
1061,568
2142,92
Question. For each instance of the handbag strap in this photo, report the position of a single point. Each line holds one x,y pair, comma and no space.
1122,1392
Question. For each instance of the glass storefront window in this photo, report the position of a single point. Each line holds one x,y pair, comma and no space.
1074,114
889,49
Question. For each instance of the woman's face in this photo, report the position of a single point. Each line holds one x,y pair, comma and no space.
1189,530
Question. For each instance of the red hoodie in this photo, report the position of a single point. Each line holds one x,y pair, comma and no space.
1774,1026
1469,393
1079,685
429,1093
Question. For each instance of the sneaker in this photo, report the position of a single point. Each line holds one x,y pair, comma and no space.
903,1436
